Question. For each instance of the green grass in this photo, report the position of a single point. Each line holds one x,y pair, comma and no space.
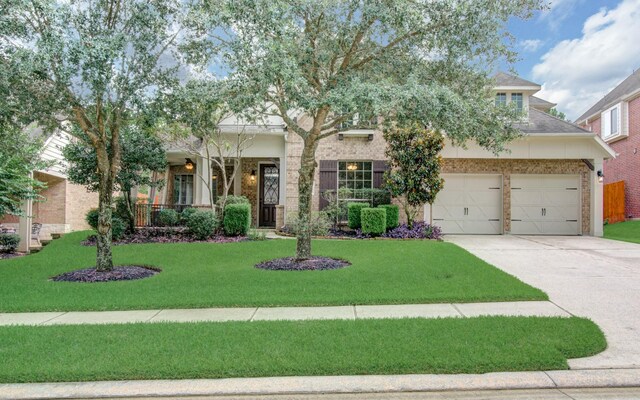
628,231
197,275
250,349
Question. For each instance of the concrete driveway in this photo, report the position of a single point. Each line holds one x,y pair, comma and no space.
587,276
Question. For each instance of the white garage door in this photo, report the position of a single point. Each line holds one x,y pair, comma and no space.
545,204
469,204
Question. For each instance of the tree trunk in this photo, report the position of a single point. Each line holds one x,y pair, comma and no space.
131,221
104,259
305,187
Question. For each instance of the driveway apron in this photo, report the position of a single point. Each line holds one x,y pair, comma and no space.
587,276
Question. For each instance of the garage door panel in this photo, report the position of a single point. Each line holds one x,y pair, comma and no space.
448,212
527,227
547,204
526,197
483,227
561,227
481,213
469,204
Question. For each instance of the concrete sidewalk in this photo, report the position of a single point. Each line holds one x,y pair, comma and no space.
309,385
516,308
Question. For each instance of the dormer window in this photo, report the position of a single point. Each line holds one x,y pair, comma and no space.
516,98
501,99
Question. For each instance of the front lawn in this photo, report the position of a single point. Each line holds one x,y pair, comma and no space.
628,231
198,275
250,349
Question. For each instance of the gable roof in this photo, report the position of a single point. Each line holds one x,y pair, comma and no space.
627,86
539,103
541,123
504,79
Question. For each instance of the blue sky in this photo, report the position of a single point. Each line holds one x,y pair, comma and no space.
579,50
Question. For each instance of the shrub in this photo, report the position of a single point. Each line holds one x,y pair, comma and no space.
9,242
319,224
202,224
186,213
374,221
237,219
121,209
353,214
255,234
168,217
393,215
92,218
233,200
118,227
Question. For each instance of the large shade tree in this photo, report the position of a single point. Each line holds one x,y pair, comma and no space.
342,62
88,64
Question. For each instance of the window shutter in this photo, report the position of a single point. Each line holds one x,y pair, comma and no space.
379,168
328,179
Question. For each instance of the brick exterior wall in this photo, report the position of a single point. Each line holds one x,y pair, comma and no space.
62,208
626,166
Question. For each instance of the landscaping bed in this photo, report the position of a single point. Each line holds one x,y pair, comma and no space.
293,348
119,273
164,235
419,230
307,264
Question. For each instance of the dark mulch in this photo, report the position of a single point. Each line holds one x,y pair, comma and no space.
6,256
164,235
122,273
309,264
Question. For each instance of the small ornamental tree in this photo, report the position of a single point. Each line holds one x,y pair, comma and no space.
90,65
142,154
414,176
326,66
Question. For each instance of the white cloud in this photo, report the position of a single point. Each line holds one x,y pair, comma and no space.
531,45
578,72
558,11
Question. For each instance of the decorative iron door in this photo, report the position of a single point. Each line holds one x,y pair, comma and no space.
269,194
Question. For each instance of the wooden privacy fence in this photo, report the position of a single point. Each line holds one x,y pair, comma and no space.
614,202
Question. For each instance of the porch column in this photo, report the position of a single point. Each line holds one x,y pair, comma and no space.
237,182
24,226
201,189
597,200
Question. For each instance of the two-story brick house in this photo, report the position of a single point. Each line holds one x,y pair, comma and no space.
546,183
616,118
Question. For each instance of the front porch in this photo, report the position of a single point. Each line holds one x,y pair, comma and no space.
261,178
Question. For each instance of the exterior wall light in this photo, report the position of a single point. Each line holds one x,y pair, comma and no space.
188,164
600,176
253,175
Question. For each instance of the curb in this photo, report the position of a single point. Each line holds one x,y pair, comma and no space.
570,379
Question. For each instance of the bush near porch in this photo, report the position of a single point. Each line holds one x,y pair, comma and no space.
199,275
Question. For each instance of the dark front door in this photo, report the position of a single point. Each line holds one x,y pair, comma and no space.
269,194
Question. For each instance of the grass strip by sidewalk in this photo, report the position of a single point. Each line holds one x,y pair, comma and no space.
628,231
286,348
200,275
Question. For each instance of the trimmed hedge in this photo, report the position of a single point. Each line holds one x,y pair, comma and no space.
9,242
237,219
353,214
233,200
374,221
393,215
168,217
202,224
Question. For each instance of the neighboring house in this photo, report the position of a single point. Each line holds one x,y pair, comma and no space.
616,118
64,204
546,183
